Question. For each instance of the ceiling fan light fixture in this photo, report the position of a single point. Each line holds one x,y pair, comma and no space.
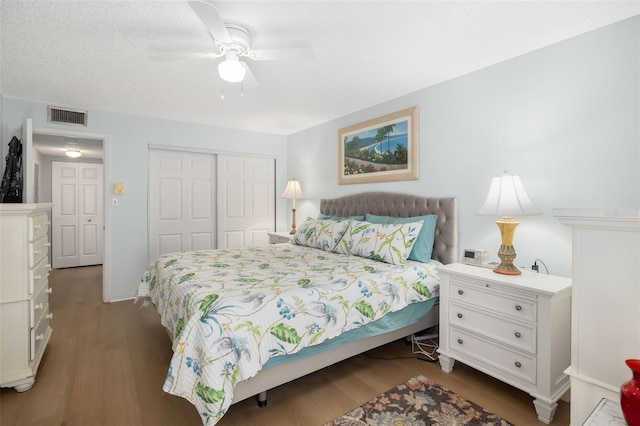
231,69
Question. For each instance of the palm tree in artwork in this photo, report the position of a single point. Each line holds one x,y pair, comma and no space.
386,131
380,136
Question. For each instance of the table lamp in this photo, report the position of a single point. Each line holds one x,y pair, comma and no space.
507,198
291,192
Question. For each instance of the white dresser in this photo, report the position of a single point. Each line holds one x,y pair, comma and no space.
24,292
514,328
605,303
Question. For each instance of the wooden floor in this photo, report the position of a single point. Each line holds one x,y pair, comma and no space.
105,365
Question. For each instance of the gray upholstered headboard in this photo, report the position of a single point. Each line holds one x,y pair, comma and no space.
445,248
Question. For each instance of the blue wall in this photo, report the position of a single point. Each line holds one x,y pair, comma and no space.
564,118
127,157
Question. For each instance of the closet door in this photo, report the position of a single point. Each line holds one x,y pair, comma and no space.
246,206
77,214
182,214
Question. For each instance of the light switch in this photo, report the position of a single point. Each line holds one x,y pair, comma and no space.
115,202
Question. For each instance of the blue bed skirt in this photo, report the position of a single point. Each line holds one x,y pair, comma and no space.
390,322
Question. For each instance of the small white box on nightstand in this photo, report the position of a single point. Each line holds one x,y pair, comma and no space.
475,257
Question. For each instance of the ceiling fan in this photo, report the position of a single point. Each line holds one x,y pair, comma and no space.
233,41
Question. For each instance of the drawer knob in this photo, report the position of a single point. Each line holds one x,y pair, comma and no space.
37,277
40,336
36,252
517,334
518,364
50,316
518,308
49,290
460,292
39,306
460,341
460,315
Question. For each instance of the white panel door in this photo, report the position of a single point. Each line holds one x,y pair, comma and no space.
64,214
182,210
90,214
246,210
77,214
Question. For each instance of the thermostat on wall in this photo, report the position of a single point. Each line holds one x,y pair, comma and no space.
475,257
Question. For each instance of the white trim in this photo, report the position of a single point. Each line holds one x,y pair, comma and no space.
209,151
106,263
106,156
577,376
122,300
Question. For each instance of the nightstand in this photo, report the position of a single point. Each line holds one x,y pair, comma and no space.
514,328
279,237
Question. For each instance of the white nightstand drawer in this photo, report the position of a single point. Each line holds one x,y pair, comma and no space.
279,237
514,333
515,307
494,356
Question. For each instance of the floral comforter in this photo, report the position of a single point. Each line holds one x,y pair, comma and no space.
229,311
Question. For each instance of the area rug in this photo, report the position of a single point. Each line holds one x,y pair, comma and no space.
419,401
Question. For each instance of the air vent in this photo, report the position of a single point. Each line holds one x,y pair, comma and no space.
66,116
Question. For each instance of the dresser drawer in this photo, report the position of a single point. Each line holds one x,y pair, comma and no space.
495,357
521,308
39,304
38,250
40,334
514,333
38,226
38,274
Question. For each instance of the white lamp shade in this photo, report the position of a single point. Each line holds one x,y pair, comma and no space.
231,69
292,191
507,197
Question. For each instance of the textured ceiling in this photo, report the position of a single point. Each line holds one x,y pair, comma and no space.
96,54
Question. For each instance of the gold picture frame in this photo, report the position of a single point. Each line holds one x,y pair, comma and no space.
383,149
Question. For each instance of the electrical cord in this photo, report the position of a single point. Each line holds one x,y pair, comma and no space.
535,267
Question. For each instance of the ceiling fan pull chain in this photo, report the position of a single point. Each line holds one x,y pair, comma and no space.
222,93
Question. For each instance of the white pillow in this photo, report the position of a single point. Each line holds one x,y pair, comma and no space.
390,243
324,234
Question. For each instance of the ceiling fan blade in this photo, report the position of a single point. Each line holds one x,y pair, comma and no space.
208,14
290,54
250,80
167,57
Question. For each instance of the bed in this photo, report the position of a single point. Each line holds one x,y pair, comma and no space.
246,320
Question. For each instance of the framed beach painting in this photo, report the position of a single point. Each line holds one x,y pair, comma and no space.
380,150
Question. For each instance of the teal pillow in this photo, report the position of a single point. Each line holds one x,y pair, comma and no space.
330,217
423,248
